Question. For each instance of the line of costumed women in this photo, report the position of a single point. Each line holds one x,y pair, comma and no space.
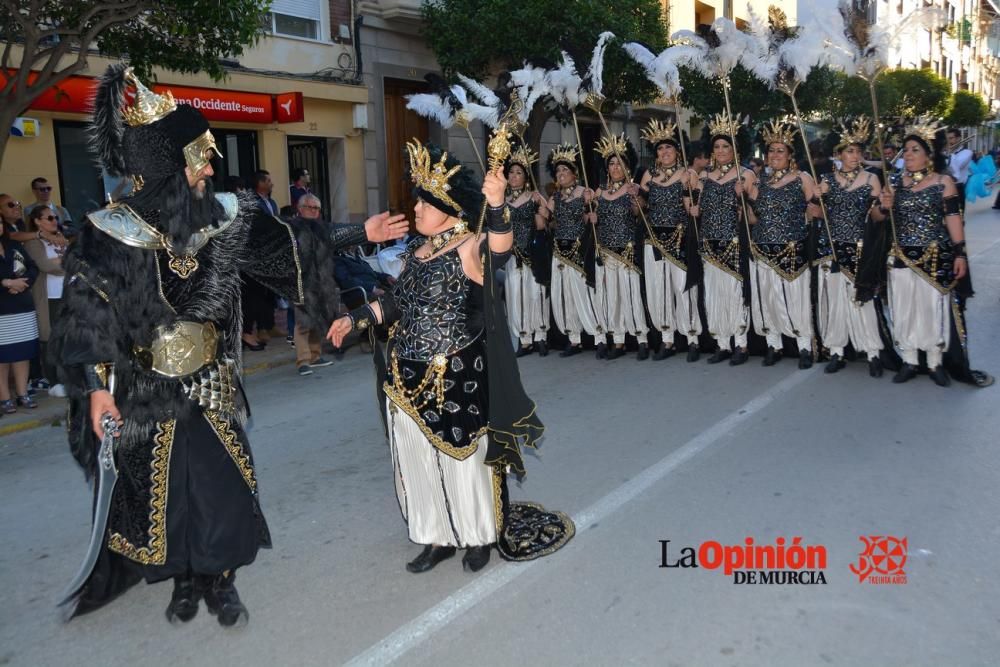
456,412
780,279
927,265
850,195
724,247
671,289
527,271
572,291
618,286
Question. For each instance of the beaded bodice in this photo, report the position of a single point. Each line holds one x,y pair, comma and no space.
615,222
846,210
438,307
666,204
522,220
568,216
781,213
719,210
919,215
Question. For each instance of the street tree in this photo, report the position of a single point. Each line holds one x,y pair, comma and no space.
47,41
966,110
479,38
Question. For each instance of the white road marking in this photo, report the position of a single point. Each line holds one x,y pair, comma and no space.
414,633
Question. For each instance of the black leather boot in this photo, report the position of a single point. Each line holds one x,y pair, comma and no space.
740,356
570,350
224,602
523,351
805,359
771,356
719,356
602,351
429,557
184,602
476,558
643,352
665,352
615,352
906,373
694,353
875,367
542,348
940,376
835,364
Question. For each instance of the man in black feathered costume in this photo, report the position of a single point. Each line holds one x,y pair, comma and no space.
150,334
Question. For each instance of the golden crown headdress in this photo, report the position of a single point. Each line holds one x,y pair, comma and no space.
779,132
719,124
524,156
431,177
858,133
149,107
564,153
657,131
925,128
615,144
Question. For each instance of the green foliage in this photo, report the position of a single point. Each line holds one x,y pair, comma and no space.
480,37
966,110
902,94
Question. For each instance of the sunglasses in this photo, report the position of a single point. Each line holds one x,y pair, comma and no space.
13,204
50,218
44,188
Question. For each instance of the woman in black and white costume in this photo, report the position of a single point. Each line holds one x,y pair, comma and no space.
618,287
849,194
780,280
456,412
724,246
928,275
671,299
527,298
572,298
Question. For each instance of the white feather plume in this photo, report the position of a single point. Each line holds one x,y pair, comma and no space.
595,74
481,91
691,51
733,43
660,69
431,106
565,85
762,60
531,84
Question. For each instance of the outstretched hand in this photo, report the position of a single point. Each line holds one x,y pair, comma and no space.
339,330
386,227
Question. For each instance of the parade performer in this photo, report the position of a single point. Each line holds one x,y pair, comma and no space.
672,302
724,247
849,194
456,413
572,298
928,275
779,268
618,286
149,334
526,281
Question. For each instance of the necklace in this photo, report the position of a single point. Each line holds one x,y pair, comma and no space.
614,187
917,176
777,175
724,168
442,239
514,193
667,171
567,192
850,176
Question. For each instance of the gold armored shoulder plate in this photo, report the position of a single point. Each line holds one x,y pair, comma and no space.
123,224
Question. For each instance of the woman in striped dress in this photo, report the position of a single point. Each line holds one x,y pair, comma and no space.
18,325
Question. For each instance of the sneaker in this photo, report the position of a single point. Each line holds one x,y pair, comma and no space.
57,390
39,384
290,340
305,370
320,363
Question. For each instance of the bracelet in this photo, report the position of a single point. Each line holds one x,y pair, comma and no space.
958,249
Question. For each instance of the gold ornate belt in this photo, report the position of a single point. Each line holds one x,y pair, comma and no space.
180,349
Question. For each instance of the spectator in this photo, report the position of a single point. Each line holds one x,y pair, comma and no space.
43,197
959,159
757,165
300,185
47,292
18,325
308,338
13,223
235,184
258,302
699,154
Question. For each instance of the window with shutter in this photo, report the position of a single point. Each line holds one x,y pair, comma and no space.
296,18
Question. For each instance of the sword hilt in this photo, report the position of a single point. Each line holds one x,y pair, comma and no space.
106,456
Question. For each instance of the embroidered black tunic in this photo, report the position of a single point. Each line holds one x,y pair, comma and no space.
847,213
569,230
779,237
668,219
720,217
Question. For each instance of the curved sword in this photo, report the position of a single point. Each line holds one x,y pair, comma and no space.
107,477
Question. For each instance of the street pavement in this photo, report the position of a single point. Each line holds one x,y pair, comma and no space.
637,453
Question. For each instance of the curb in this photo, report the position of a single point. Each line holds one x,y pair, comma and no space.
11,429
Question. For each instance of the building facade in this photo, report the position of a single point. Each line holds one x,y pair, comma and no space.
293,100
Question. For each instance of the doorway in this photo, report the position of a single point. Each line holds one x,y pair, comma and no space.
310,153
401,125
241,158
